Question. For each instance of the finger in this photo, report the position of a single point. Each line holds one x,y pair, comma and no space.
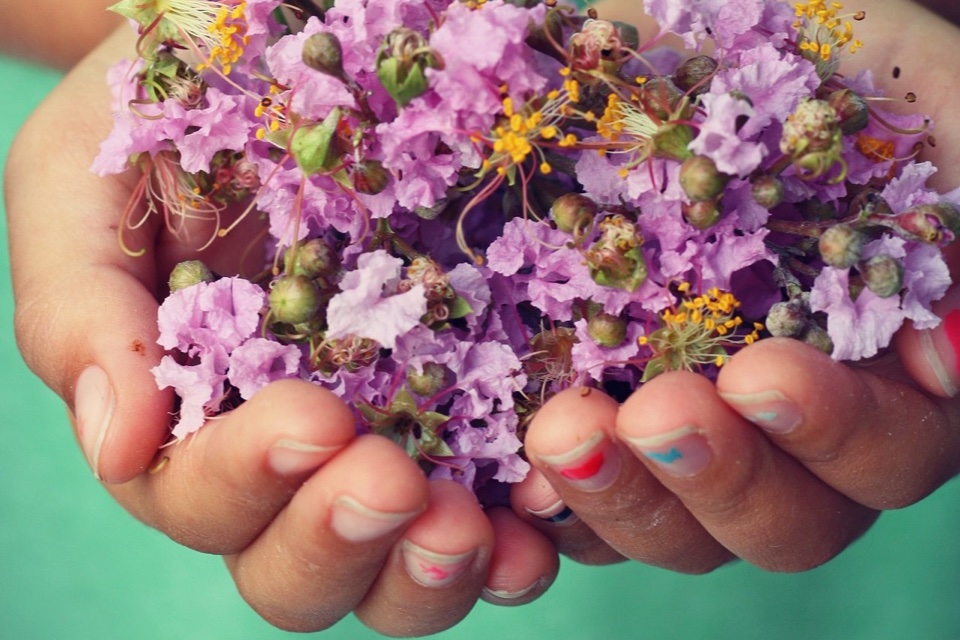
217,490
524,562
63,246
879,441
537,503
932,356
319,556
753,498
434,576
572,441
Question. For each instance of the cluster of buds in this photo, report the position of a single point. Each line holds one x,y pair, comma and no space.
812,138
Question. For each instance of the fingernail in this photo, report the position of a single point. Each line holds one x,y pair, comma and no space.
683,452
432,569
592,466
288,457
495,595
557,513
94,404
356,522
941,348
768,409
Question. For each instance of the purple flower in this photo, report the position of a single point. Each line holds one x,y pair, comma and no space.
200,388
258,362
368,305
721,140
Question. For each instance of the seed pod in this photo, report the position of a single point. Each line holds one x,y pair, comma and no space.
572,211
294,299
693,76
841,246
817,337
883,275
607,330
322,52
700,178
369,177
767,191
188,273
314,258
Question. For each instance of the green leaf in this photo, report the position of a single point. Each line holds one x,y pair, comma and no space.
459,308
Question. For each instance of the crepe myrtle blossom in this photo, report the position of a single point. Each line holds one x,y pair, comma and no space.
468,206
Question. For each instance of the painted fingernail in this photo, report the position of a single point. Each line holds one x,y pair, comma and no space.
356,522
432,569
288,457
94,404
941,348
683,452
557,513
592,466
770,410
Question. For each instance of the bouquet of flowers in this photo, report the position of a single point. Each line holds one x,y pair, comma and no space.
469,205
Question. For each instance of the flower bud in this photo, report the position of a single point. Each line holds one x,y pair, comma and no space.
883,275
401,62
931,223
322,52
787,319
616,259
700,178
841,246
314,258
672,141
694,75
660,97
369,177
767,191
607,330
188,273
596,47
543,37
851,109
432,379
573,211
702,214
293,299
818,338
867,203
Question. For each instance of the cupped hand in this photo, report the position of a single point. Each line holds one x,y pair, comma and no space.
314,521
790,456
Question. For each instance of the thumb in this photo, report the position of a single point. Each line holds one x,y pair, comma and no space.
85,311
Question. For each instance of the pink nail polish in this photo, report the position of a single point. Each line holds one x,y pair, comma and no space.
432,569
770,410
592,466
683,452
356,522
288,457
94,405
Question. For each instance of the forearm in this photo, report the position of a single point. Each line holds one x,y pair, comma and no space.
54,33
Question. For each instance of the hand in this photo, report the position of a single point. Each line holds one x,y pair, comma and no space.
313,521
791,456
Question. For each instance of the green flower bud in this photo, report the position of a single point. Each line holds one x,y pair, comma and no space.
188,273
787,319
573,211
702,214
841,246
431,380
851,109
607,330
813,126
616,259
767,191
883,275
401,62
818,338
672,141
931,223
694,75
700,178
660,97
294,299
369,177
322,52
314,258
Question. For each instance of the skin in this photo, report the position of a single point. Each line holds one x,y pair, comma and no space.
785,502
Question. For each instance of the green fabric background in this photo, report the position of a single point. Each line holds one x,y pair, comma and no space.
74,566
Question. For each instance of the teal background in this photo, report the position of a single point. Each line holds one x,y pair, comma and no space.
74,566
